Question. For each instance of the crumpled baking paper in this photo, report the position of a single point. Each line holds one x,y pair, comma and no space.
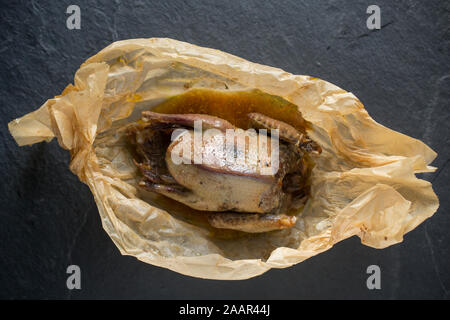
363,184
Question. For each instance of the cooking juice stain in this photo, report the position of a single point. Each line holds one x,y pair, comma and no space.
234,106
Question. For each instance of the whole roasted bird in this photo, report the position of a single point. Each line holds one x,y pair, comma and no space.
243,188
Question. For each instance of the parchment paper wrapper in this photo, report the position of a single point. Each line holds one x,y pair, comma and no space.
363,184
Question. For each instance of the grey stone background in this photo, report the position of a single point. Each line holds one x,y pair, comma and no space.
48,219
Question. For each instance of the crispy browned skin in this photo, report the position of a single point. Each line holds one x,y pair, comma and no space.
251,222
286,132
187,120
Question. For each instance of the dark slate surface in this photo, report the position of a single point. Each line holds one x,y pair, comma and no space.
49,219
